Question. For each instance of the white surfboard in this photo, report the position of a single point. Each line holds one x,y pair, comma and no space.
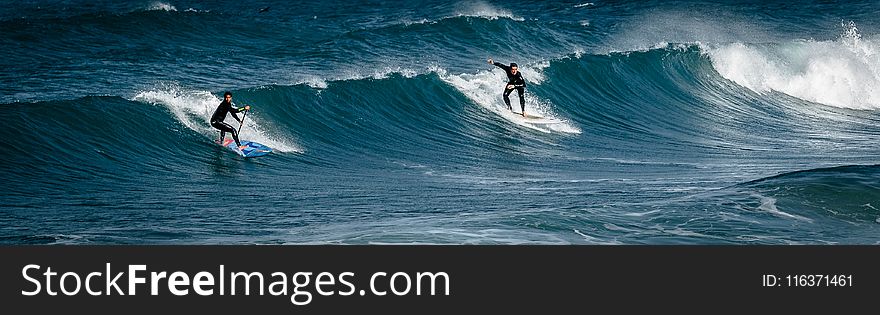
538,120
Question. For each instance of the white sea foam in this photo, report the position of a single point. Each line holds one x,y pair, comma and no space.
387,71
315,82
467,9
842,73
160,6
769,205
194,108
485,10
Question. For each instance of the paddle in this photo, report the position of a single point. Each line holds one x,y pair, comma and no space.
242,120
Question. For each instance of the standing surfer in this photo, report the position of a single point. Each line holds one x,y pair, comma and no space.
220,115
516,82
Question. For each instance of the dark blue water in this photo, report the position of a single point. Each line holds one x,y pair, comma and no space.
682,122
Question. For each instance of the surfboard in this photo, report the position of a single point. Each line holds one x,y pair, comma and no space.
539,120
252,149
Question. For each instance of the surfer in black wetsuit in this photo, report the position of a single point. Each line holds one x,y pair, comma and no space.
516,82
220,115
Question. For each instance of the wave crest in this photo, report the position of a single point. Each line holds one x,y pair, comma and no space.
841,73
484,10
161,6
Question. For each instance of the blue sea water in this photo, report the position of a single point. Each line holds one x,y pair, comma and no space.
683,122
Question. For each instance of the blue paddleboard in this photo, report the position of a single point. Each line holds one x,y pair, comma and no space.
252,149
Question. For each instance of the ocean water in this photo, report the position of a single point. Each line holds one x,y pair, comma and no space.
683,122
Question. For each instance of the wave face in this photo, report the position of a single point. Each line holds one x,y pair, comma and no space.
678,123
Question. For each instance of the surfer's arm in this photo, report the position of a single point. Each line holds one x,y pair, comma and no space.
233,110
502,66
238,110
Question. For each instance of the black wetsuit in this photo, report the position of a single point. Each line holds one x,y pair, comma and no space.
519,84
220,115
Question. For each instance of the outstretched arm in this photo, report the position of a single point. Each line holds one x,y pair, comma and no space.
499,65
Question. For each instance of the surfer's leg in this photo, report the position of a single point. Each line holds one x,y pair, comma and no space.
219,126
234,134
507,98
522,100
224,128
